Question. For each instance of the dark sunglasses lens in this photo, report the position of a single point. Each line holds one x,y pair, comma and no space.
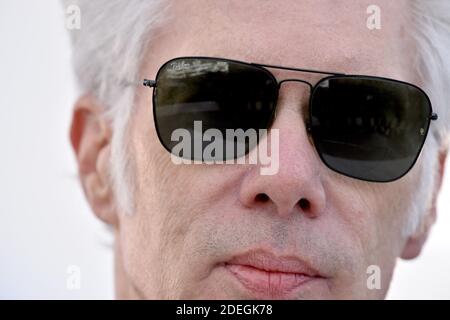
219,101
369,128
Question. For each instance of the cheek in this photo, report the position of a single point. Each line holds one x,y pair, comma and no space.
395,201
171,203
367,220
371,217
376,212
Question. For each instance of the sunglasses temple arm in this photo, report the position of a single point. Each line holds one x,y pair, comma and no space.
434,116
149,83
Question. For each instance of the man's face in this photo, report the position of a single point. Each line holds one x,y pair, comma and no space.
207,231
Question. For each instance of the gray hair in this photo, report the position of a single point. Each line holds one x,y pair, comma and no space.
108,52
431,21
114,37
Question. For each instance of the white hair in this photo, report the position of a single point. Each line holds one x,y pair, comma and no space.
108,52
114,37
431,30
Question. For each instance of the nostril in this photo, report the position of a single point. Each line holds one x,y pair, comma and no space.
262,197
304,204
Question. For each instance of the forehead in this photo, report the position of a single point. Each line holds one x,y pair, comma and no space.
318,34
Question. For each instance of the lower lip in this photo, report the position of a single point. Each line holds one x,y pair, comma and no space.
268,284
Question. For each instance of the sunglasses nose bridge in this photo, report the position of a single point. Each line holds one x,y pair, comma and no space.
295,80
310,86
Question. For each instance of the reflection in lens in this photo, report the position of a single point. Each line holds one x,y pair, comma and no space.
221,94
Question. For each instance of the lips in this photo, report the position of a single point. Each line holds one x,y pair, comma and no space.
270,276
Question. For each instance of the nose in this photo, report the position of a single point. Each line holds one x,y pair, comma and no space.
296,188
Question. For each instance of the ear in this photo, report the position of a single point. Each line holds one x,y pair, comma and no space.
90,136
416,241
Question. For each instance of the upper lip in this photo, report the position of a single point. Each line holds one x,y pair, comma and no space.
270,262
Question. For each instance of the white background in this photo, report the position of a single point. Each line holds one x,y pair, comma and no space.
45,223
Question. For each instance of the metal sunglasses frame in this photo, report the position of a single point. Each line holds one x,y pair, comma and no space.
432,116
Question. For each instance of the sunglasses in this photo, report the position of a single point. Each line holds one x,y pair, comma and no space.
364,127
